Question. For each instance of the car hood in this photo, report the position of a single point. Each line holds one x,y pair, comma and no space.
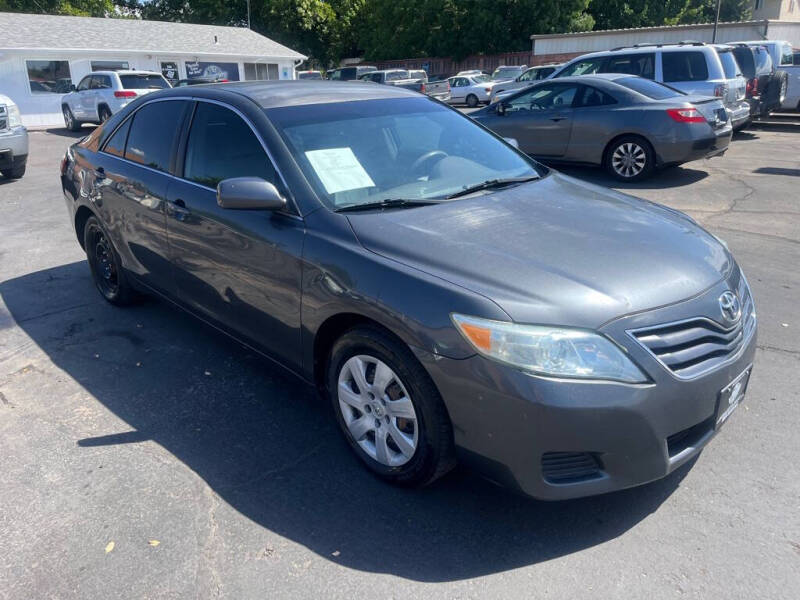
555,251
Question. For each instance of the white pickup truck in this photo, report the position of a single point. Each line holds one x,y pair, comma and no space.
102,93
13,140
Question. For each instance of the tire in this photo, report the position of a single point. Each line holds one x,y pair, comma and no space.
104,113
70,122
104,264
472,101
623,158
14,172
403,406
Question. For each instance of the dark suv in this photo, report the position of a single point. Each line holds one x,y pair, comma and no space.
763,92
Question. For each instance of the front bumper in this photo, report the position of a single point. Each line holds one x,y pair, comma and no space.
14,142
508,423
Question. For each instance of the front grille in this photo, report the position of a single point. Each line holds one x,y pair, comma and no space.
695,346
570,467
3,117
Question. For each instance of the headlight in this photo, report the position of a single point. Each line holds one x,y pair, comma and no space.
14,118
552,351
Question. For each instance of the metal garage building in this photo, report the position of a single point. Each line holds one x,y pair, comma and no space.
42,55
558,47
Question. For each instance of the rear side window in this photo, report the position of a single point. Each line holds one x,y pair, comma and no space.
684,66
745,60
143,82
729,65
591,96
651,89
154,132
221,145
642,65
116,144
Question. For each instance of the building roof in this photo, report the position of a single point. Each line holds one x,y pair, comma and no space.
53,32
687,26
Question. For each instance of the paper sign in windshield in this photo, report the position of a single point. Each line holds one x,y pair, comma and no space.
339,169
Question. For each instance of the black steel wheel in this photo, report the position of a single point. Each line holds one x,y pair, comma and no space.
104,264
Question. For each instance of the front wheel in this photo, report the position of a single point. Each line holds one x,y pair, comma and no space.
15,172
388,408
105,266
472,101
630,158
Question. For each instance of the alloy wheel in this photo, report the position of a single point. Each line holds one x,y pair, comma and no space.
68,120
628,159
377,410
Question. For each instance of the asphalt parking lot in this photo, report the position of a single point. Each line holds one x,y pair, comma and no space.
143,455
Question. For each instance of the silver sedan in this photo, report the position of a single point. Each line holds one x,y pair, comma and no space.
627,124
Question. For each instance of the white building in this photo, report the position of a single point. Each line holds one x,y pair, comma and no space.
557,47
42,55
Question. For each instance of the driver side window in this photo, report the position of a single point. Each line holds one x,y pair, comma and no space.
84,84
547,97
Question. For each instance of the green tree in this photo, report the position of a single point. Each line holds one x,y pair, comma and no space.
90,8
618,14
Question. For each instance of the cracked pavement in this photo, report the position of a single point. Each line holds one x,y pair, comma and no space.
140,425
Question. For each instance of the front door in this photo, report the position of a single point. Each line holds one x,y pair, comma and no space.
239,268
83,92
540,119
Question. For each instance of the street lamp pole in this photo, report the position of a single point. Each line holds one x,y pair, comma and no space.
248,13
716,21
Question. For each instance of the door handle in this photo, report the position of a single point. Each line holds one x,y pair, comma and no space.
558,118
177,209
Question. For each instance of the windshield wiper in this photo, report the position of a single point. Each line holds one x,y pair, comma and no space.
491,183
387,203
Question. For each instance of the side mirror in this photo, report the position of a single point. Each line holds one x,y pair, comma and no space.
512,142
500,109
72,87
249,193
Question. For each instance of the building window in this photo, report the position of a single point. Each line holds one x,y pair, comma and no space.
759,4
260,71
110,65
49,76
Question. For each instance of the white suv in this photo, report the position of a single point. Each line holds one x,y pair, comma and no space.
691,67
102,93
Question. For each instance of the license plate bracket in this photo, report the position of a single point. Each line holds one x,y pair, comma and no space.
731,396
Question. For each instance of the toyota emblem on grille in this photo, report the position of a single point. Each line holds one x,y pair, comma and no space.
730,306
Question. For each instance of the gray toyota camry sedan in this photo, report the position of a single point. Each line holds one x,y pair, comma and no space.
453,299
627,124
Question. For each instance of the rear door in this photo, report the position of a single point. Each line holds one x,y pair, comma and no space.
540,119
238,268
131,179
593,124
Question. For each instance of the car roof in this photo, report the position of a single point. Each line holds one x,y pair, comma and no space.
124,72
300,92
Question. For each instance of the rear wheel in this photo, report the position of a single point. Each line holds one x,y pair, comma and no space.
472,101
630,158
388,408
69,119
105,266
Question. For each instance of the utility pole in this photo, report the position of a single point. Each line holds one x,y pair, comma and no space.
248,13
716,21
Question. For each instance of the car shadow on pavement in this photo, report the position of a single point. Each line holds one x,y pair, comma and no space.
63,132
269,447
671,177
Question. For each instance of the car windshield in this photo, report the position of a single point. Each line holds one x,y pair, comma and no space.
729,65
368,151
396,75
143,82
506,73
481,78
651,89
